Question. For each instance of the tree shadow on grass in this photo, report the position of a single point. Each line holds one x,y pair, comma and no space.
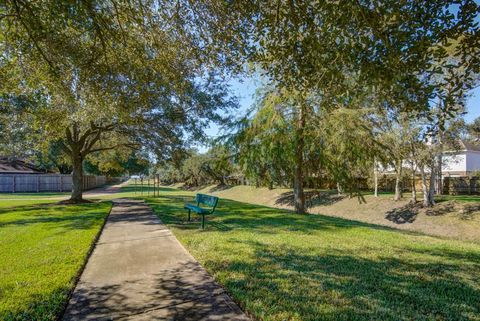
404,214
312,198
219,188
440,209
342,286
283,280
260,219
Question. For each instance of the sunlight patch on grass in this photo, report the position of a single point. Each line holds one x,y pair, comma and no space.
282,266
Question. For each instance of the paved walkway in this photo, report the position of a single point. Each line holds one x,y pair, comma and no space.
139,271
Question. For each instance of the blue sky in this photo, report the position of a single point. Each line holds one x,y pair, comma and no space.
473,105
245,91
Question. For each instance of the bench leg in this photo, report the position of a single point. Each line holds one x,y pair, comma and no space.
203,221
189,215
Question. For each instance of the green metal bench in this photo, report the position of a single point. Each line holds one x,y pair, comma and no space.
202,199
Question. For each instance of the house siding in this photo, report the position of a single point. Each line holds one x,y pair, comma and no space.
456,163
473,161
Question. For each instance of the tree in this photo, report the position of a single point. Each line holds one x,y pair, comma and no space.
193,170
265,144
474,130
337,52
53,158
219,164
349,146
395,129
16,137
110,75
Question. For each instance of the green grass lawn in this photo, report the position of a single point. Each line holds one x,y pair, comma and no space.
459,198
45,195
282,266
43,247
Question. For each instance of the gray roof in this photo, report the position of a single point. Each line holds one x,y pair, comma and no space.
470,146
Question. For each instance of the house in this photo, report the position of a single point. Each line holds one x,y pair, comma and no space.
16,166
463,162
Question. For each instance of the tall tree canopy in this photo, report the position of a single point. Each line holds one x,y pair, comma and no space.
100,75
400,50
110,71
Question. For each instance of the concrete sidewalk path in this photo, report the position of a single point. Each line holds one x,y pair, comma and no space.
139,271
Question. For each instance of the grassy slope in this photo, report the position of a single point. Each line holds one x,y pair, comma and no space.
43,248
283,266
373,210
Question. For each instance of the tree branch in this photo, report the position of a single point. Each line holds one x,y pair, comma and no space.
133,146
65,148
34,41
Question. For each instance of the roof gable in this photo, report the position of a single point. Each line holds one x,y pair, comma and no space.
470,147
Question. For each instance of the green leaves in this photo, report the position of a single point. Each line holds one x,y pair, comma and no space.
136,67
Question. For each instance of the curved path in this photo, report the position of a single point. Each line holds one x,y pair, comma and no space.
139,271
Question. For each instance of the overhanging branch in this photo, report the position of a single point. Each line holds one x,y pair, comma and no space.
129,145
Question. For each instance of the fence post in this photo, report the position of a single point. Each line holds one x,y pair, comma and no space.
38,183
61,183
13,184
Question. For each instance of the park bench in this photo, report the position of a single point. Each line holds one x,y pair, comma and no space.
202,200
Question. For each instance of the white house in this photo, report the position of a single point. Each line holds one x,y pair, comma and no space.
462,162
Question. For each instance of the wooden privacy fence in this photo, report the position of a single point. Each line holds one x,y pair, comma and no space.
12,183
461,185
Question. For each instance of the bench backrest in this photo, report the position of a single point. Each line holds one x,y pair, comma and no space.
206,200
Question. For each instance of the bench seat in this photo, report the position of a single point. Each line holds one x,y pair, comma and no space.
197,209
202,199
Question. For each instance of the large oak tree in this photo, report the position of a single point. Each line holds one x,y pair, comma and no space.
102,75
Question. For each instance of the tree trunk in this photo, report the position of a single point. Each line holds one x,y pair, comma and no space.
439,161
424,187
299,196
339,189
427,195
375,178
431,190
439,185
77,179
78,144
414,187
398,182
222,180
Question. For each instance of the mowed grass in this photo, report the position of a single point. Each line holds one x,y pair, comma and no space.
40,195
282,266
21,202
43,247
